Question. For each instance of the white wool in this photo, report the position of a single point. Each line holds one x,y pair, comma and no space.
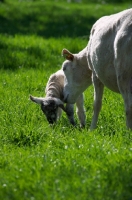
107,61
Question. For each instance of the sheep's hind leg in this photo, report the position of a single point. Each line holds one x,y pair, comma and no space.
70,113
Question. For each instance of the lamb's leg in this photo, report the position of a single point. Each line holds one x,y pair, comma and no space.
70,113
98,93
80,110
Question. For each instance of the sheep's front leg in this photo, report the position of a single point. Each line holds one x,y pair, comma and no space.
80,110
70,113
98,93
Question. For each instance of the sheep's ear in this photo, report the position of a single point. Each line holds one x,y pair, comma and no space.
36,99
67,54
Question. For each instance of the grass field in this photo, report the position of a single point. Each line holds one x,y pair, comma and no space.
39,162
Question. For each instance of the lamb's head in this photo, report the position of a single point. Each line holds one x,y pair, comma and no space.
77,74
49,106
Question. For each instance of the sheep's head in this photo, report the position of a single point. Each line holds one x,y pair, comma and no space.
49,106
77,74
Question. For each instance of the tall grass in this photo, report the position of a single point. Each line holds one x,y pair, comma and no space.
61,162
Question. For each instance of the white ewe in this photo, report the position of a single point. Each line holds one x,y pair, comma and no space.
52,104
109,54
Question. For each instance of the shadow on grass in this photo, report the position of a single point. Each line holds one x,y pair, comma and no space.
14,57
47,21
41,19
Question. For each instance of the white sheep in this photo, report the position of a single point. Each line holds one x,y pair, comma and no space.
109,54
52,104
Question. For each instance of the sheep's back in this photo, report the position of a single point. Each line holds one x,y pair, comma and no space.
55,85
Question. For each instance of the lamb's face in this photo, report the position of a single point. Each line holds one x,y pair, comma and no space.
49,106
50,109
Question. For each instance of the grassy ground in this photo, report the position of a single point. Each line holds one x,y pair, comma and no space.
39,162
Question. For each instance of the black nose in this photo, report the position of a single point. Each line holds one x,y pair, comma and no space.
50,121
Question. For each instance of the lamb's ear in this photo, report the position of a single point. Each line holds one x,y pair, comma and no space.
67,54
37,100
60,104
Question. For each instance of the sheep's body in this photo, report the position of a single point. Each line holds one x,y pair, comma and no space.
54,88
52,103
55,85
110,58
109,55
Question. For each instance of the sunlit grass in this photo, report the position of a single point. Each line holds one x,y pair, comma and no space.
38,161
42,162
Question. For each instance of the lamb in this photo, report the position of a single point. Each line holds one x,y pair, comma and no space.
52,104
109,56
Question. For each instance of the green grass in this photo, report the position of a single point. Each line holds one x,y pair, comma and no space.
52,19
61,162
